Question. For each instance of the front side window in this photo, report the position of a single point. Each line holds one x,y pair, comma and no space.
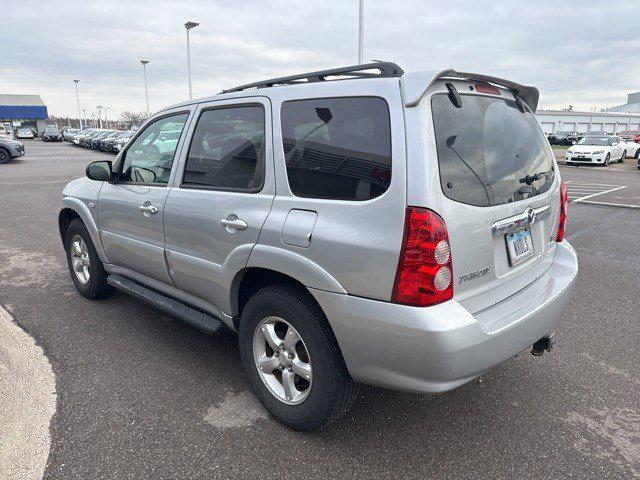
150,156
490,151
338,148
227,150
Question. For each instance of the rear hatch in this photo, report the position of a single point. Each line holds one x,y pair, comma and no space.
498,190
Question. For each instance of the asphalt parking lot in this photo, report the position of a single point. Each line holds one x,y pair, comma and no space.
141,395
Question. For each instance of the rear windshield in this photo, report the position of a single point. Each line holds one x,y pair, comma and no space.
489,151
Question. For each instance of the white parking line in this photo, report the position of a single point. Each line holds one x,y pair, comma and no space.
608,204
586,197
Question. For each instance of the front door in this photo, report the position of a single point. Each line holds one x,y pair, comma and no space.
223,193
130,211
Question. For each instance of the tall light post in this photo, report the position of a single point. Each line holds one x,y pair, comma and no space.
189,26
146,88
78,102
99,107
360,30
106,112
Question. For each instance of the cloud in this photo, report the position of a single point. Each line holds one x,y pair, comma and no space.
575,54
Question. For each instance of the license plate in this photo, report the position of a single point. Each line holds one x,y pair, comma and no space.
519,246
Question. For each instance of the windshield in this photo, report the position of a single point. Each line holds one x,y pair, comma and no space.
597,141
489,151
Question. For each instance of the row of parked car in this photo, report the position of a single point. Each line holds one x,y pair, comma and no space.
99,139
569,138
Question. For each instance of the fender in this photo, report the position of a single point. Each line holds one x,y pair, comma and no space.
309,273
78,206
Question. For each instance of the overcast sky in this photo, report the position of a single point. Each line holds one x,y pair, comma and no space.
579,53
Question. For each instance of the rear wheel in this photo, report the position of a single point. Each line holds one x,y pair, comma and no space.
292,359
86,269
4,156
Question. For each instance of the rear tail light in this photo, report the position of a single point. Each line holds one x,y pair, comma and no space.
563,212
425,273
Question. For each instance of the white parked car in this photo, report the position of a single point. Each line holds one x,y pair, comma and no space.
599,150
24,133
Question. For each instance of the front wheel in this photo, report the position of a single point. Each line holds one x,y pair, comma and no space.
87,272
4,156
607,159
293,360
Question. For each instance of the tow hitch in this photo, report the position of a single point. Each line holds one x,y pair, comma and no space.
545,343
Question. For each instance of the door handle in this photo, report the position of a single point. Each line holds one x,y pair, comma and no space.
147,209
233,223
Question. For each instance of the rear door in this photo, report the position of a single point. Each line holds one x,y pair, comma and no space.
498,190
224,191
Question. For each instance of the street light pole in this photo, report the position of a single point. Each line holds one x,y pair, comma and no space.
99,107
189,26
78,102
146,88
360,31
106,121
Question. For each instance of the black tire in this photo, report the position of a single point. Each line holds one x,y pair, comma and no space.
624,155
5,156
607,159
332,390
637,154
97,286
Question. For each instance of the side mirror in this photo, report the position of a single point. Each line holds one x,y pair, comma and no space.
101,171
573,143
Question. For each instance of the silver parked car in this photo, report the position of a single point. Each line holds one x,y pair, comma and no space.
397,229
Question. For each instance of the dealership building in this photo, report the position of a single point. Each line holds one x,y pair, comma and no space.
27,111
611,120
553,121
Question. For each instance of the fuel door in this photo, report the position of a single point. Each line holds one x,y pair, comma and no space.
298,228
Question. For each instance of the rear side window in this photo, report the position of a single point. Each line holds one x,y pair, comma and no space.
338,148
227,150
489,151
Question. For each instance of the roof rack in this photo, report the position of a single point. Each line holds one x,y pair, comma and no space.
385,69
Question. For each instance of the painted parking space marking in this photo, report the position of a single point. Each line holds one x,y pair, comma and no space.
579,192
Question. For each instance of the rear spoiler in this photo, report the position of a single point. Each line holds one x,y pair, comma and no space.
415,85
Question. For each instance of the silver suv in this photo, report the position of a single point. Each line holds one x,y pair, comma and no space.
396,229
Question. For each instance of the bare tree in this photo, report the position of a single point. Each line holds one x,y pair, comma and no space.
133,118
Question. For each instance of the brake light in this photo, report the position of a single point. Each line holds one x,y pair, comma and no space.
424,275
563,211
487,88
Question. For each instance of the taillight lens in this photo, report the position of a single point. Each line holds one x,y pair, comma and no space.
425,272
563,212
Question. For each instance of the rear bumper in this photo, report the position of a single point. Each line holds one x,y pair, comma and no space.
439,348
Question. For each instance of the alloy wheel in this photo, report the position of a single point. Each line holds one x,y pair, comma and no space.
80,259
282,360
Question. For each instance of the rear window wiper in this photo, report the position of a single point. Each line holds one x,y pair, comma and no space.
529,179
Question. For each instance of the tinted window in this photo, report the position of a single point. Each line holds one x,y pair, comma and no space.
227,149
149,159
489,151
337,148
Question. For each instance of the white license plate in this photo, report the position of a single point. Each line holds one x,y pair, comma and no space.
519,246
